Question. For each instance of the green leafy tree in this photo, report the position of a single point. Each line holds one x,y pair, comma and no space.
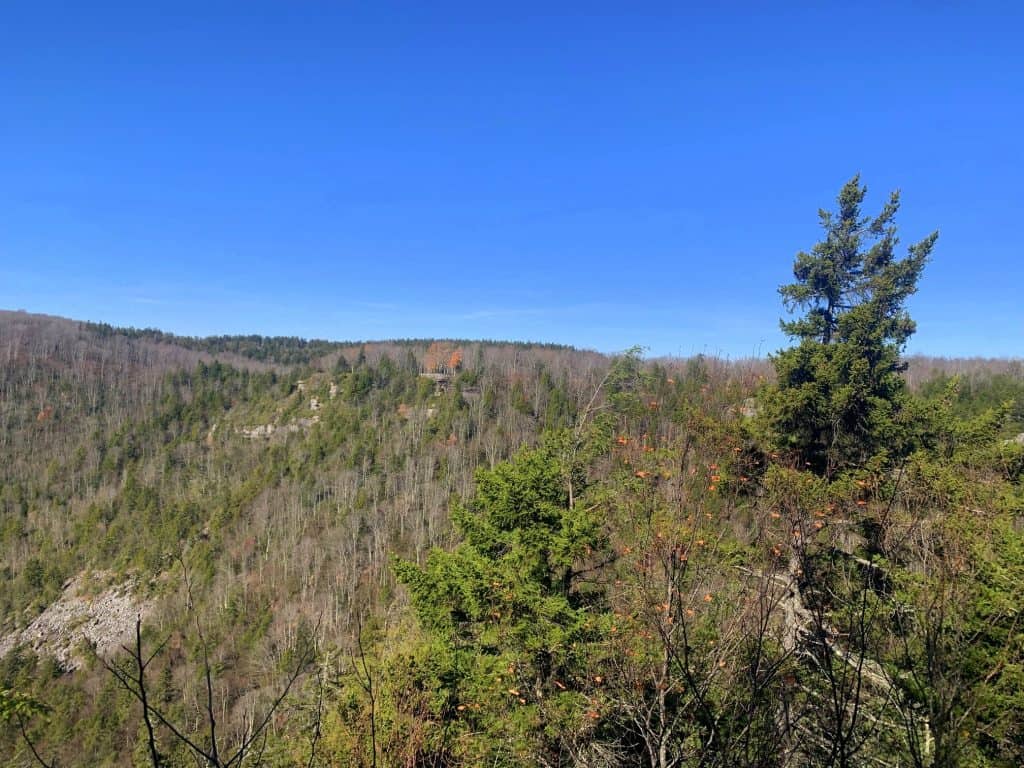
19,708
840,396
509,616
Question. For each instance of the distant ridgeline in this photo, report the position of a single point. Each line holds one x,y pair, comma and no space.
288,350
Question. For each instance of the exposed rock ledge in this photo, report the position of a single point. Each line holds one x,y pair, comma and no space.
105,620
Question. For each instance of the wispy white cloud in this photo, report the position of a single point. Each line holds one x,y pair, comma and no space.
500,312
603,309
387,306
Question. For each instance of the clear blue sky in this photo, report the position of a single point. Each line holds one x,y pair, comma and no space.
599,175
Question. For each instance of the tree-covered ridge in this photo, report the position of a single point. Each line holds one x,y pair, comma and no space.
289,350
114,459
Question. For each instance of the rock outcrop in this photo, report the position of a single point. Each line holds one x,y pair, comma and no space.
105,621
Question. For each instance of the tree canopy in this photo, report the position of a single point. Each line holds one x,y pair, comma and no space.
840,395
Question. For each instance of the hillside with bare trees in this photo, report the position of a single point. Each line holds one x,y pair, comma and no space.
274,552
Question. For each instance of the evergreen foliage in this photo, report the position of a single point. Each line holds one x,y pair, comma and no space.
840,398
511,627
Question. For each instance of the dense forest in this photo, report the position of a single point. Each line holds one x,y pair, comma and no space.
270,551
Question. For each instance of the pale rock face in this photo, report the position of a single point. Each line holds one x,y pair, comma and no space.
105,620
258,432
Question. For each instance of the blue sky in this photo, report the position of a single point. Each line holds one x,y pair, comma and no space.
599,175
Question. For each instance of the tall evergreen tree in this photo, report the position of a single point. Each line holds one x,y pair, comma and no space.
840,395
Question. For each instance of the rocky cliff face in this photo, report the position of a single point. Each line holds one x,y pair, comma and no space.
77,619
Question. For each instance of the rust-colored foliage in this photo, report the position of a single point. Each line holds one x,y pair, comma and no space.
442,357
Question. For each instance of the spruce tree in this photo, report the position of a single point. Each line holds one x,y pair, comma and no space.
840,397
511,625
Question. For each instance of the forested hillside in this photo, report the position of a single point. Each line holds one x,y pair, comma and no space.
284,489
458,553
